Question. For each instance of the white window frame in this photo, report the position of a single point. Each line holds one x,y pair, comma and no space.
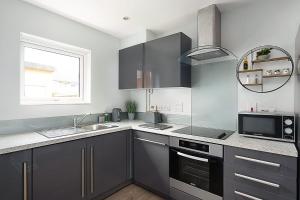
84,55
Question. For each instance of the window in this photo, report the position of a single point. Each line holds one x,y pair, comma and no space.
53,72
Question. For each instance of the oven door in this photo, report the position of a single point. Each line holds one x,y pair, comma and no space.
269,126
198,170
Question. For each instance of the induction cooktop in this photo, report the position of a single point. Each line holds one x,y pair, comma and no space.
205,132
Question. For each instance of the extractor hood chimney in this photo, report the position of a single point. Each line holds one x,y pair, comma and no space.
209,39
209,26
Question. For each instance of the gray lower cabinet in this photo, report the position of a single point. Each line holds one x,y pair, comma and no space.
15,176
82,169
59,171
258,175
151,161
107,162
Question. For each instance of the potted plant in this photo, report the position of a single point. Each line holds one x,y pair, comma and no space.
131,109
263,54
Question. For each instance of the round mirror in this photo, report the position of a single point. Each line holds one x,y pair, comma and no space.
265,69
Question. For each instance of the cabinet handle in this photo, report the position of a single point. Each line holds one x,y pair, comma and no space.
247,195
148,83
82,172
25,181
192,157
145,79
150,80
150,141
257,161
257,180
139,78
92,169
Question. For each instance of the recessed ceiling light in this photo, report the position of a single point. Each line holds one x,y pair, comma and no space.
126,18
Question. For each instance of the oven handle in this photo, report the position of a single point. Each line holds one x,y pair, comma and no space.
192,157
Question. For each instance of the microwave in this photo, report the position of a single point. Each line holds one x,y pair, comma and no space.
267,125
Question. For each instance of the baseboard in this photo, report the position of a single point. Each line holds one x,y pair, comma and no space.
153,191
114,190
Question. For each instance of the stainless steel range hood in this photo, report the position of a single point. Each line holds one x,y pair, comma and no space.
209,39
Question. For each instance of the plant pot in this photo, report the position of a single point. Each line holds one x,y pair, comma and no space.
263,57
131,116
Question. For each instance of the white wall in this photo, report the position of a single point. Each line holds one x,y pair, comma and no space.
167,100
17,16
273,22
140,37
246,25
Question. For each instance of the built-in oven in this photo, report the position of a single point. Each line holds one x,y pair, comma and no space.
196,168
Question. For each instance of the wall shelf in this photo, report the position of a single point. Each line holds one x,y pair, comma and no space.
250,70
271,60
276,76
254,84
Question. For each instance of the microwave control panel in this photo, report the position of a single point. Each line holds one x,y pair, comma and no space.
288,127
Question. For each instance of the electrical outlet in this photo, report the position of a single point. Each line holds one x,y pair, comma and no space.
178,107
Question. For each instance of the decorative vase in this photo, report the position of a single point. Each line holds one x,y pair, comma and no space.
263,57
131,116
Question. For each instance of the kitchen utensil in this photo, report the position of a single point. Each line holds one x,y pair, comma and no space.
152,117
277,72
269,72
285,71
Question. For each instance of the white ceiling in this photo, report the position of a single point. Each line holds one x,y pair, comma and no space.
106,15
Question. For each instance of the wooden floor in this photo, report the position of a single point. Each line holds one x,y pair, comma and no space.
133,192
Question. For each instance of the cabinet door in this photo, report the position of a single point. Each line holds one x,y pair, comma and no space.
130,67
15,176
162,66
259,175
107,162
59,171
151,161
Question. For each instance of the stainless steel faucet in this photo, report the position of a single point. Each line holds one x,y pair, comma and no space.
77,121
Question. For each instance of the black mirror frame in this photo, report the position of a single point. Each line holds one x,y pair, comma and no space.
256,49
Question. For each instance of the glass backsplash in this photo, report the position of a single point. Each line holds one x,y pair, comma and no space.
214,95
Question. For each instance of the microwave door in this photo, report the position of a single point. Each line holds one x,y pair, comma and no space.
261,125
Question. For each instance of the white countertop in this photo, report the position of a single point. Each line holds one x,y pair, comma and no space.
17,142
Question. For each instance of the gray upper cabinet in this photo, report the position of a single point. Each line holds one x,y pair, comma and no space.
59,171
155,64
131,61
107,162
151,161
162,66
15,176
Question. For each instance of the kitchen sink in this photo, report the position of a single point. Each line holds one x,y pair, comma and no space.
59,132
96,127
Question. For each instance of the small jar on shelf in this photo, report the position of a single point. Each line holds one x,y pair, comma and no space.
247,79
256,80
245,64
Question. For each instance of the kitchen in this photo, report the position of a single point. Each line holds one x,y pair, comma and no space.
55,148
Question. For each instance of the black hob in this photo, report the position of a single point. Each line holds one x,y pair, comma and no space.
205,132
